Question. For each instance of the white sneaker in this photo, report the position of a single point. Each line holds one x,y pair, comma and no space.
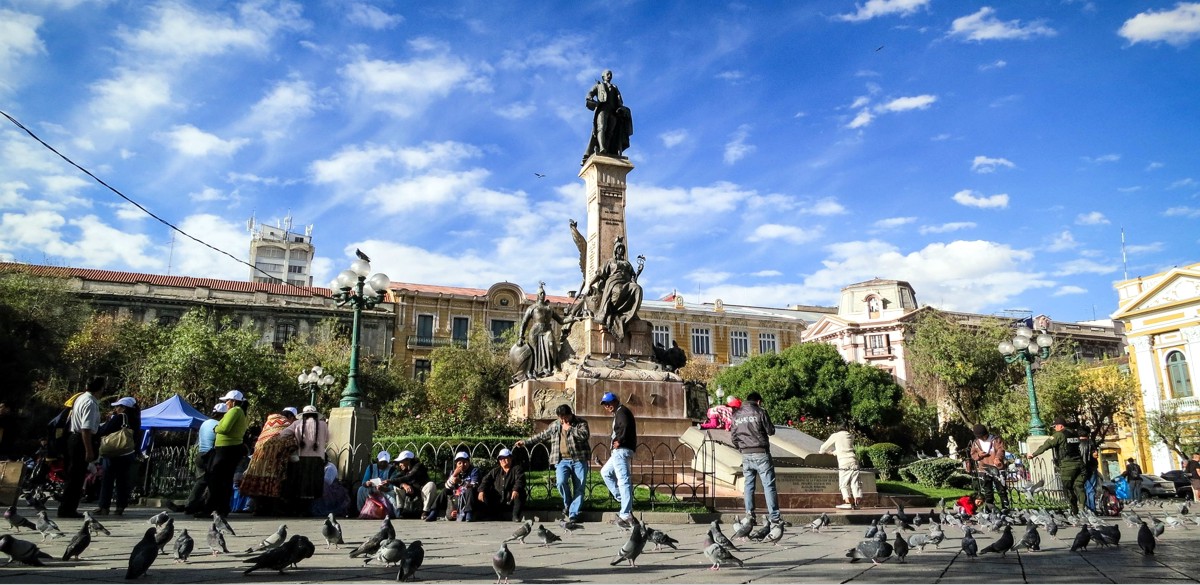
844,506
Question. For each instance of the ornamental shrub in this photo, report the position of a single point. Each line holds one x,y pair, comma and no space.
931,472
885,457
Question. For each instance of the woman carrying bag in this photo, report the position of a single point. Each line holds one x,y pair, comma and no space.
118,449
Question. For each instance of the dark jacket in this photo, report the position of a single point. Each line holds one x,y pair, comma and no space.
751,427
577,445
416,477
1066,447
504,484
624,428
1133,472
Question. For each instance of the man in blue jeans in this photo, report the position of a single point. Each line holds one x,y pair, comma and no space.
616,472
569,455
750,434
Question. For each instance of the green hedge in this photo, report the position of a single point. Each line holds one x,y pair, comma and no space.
885,457
931,472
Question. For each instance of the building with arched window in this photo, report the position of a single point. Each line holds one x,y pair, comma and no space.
1161,313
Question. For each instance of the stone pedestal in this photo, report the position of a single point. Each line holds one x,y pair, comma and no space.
1042,467
351,439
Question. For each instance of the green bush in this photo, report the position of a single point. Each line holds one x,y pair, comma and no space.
960,480
885,457
863,456
931,472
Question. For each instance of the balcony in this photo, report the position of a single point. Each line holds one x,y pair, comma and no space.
1184,405
427,342
878,352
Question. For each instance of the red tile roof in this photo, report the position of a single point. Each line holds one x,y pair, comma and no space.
164,280
464,291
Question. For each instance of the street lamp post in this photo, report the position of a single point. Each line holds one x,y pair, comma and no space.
1026,348
360,293
314,379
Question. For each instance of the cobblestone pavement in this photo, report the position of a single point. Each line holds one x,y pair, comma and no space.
461,552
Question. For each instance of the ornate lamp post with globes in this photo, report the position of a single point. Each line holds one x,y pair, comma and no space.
314,380
1026,348
360,293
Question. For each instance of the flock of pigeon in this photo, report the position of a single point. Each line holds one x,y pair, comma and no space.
279,551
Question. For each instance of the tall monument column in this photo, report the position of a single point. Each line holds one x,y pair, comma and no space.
604,177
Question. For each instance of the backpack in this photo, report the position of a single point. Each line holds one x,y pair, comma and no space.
57,432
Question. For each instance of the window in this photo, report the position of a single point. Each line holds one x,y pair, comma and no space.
766,343
284,332
739,344
269,266
296,269
270,252
662,336
421,369
459,329
168,319
299,255
701,341
424,330
1177,374
878,345
500,327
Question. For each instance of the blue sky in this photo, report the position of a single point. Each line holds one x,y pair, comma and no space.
987,152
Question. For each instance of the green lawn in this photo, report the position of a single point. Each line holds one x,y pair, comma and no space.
914,489
596,497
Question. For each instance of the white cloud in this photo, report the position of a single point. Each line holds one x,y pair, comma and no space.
85,241
372,17
875,8
904,104
516,110
971,198
984,26
673,138
1084,266
825,206
285,103
424,191
129,96
997,64
1069,290
984,165
1064,240
359,164
129,212
707,202
860,102
730,75
766,273
1091,218
192,141
1179,26
1182,211
893,222
1145,248
737,149
1185,183
177,30
407,88
18,39
207,194
707,276
1104,158
788,233
193,259
953,226
1154,166
566,53
862,119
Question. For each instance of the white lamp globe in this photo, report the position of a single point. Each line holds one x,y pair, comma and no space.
360,267
380,281
346,279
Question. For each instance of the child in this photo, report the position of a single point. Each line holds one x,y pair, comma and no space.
721,416
968,504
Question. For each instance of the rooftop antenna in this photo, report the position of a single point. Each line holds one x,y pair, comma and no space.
287,222
1124,260
171,254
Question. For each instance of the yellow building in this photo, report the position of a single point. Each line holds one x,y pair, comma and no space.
1161,314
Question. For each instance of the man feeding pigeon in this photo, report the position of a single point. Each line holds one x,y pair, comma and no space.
1069,459
751,434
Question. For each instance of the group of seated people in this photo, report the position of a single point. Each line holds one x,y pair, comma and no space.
403,489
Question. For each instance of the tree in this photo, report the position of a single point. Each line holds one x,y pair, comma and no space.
956,365
1099,397
38,315
471,382
1166,425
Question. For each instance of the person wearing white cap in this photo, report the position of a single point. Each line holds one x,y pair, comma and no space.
502,490
228,451
305,477
377,480
204,450
127,420
460,490
414,494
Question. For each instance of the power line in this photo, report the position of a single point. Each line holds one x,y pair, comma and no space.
173,227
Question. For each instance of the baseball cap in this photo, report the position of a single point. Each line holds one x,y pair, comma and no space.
406,456
503,453
127,402
310,409
292,409
220,407
734,402
383,456
608,397
233,395
1059,421
462,455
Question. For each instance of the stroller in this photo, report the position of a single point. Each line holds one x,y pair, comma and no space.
44,479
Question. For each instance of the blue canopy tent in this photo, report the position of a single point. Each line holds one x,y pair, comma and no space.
172,414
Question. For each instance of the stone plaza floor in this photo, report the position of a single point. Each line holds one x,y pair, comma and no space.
461,553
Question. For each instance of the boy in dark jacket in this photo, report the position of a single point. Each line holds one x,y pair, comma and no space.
750,434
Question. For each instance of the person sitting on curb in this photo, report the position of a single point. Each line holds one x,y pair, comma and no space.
459,490
502,491
377,480
413,494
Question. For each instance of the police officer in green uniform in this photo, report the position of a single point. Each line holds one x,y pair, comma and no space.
1068,457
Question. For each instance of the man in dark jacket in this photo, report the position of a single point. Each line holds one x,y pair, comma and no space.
412,489
616,472
750,434
569,456
1069,459
502,490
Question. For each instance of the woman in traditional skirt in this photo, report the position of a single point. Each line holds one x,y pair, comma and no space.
264,477
306,475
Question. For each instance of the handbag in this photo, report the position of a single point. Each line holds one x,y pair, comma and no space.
118,443
373,509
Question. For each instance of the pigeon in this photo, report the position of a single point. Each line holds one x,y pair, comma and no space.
741,530
718,554
158,519
969,546
386,528
936,535
1145,539
885,518
569,526
873,529
163,534
816,525
222,524
183,546
1052,528
776,534
1081,540
371,546
304,549
1108,535
361,256
1159,527
22,551
520,533
714,528
548,538
900,547
917,541
1032,541
504,563
760,533
276,558
332,531
273,540
97,527
1032,489
876,549
79,543
47,527
413,557
216,540
1002,545
389,553
1183,510
637,542
143,555
16,520
660,539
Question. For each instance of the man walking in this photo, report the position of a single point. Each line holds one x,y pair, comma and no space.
987,458
197,500
751,433
1069,460
1133,474
568,456
1192,472
841,444
616,472
81,446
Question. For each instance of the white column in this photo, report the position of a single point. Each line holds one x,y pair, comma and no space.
1148,368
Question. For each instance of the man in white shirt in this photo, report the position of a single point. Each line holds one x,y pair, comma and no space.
81,446
841,444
